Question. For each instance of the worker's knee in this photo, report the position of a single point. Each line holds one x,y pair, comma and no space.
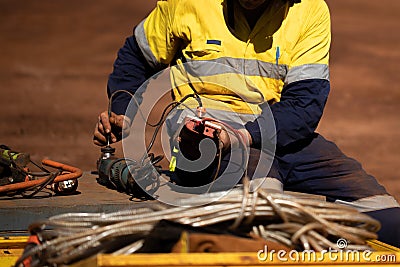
390,221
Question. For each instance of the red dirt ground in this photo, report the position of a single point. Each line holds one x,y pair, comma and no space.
56,56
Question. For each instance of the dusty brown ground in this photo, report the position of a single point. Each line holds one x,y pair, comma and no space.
56,56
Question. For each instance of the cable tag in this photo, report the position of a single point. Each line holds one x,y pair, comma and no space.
172,163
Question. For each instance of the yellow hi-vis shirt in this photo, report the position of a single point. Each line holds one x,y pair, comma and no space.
237,66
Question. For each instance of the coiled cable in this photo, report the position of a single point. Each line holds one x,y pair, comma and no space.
304,224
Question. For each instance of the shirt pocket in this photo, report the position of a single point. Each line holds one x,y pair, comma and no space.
204,49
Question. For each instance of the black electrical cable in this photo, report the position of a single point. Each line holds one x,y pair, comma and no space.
40,167
144,170
167,110
32,175
172,104
164,114
158,127
40,187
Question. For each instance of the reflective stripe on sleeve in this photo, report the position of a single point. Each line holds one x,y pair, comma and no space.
371,203
306,72
140,36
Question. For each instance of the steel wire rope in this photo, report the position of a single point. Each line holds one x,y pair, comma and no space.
305,227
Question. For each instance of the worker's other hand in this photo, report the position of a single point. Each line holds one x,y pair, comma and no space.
230,139
114,127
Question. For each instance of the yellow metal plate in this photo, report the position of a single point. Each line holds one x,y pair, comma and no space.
235,259
12,248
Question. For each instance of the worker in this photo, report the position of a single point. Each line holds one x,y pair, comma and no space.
282,47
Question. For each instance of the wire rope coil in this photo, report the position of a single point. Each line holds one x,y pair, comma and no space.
299,223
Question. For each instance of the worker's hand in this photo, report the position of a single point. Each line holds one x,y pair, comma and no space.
114,126
231,139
